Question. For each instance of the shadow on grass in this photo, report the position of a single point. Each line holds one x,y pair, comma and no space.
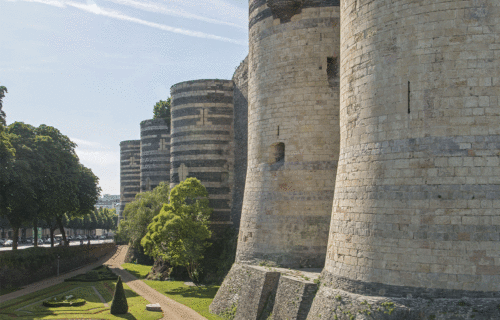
207,292
8,290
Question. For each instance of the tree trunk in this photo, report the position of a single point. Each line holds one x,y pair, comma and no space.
61,228
35,232
52,236
15,238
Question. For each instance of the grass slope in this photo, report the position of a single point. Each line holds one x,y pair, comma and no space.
138,270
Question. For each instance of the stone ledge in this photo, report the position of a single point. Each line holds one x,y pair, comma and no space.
335,304
153,307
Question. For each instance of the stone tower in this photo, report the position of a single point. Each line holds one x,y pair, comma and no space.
293,132
202,140
155,153
130,171
416,210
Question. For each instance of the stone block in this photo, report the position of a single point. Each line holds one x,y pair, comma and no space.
153,307
293,298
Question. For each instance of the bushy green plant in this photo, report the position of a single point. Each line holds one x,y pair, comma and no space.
119,304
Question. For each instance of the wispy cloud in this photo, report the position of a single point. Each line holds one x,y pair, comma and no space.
81,142
92,7
176,12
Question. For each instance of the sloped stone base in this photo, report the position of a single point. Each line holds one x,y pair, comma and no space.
335,304
262,293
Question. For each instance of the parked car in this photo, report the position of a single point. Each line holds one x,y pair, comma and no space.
2,241
8,243
40,241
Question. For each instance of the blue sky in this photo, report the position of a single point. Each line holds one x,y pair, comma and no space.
94,69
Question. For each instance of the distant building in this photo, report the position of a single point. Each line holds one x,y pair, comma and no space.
108,201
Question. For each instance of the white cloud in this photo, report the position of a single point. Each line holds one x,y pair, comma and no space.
81,142
98,157
173,11
92,7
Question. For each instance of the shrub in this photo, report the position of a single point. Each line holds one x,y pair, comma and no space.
64,302
119,304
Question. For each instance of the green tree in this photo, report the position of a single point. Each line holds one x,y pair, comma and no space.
162,110
180,232
19,202
140,212
119,304
3,90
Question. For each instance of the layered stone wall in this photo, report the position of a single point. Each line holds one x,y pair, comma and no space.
240,120
202,140
293,135
130,171
155,153
415,214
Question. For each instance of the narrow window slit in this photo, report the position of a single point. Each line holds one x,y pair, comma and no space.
409,97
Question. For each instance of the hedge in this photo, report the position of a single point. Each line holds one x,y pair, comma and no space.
21,267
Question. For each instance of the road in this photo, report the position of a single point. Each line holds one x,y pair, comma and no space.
72,243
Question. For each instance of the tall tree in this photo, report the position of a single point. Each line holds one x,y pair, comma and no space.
140,213
3,90
162,110
19,201
180,232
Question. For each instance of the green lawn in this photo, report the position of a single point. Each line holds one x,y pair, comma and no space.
30,306
196,298
138,270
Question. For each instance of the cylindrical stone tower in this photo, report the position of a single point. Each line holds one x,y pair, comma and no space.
155,153
293,132
130,171
202,140
416,212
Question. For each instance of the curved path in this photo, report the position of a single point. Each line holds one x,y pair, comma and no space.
172,310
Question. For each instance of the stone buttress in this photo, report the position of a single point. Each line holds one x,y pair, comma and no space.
293,147
415,222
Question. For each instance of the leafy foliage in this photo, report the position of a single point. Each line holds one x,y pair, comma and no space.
3,90
101,273
140,212
179,233
162,110
119,304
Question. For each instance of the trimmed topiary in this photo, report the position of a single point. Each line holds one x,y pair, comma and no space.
119,304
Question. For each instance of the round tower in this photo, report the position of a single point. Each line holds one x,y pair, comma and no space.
130,171
202,140
155,153
416,208
293,132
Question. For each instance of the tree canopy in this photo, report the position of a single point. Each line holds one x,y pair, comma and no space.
3,90
180,232
139,213
162,110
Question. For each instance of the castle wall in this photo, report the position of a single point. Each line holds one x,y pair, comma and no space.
293,111
130,171
240,120
155,153
415,212
202,140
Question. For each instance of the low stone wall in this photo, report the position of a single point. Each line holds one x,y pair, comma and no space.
24,267
266,293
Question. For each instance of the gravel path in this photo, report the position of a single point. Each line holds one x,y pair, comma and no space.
172,310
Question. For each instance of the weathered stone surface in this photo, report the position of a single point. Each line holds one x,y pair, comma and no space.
160,271
287,203
294,298
334,304
153,307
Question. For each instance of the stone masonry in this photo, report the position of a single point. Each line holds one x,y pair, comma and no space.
293,135
130,171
